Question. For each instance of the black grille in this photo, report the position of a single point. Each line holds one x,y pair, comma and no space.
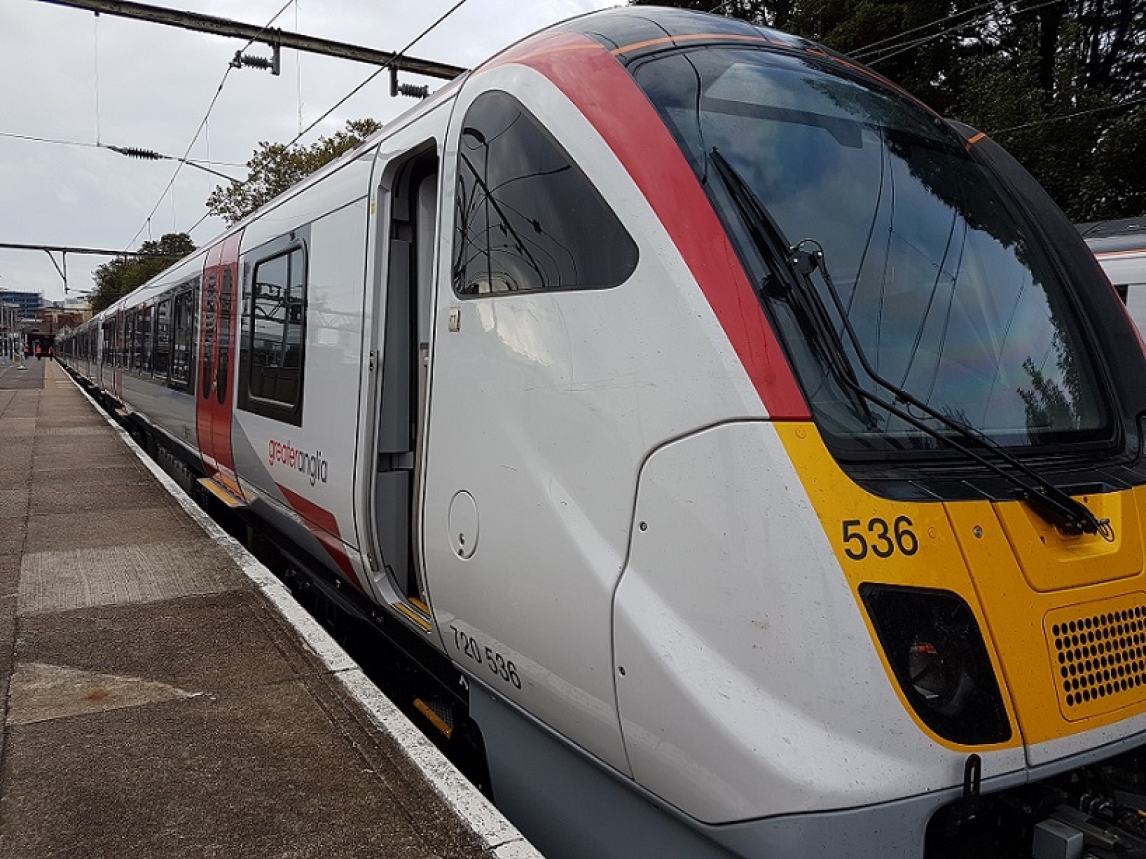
1101,655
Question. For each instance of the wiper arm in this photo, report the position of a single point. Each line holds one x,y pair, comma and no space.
1047,500
770,240
793,282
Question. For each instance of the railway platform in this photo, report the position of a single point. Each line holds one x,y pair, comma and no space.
163,695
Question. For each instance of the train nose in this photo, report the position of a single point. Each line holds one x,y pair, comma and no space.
1066,615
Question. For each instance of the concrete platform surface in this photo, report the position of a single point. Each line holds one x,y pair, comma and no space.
163,695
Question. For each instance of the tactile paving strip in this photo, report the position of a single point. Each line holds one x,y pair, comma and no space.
120,575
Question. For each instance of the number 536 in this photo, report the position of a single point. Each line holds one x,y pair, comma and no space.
879,538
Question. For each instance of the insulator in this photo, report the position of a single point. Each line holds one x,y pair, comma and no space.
413,90
253,61
136,152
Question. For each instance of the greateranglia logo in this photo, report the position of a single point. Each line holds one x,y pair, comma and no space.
310,464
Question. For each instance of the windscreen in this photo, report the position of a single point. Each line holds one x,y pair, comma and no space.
948,297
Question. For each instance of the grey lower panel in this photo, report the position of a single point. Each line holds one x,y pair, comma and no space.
571,806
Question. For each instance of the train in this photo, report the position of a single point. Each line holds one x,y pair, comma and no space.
1120,247
751,457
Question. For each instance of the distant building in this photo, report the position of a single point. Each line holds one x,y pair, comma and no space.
28,302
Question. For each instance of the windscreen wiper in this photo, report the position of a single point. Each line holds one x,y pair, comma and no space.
1048,501
1051,503
769,239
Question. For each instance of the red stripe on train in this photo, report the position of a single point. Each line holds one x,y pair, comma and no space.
611,100
324,526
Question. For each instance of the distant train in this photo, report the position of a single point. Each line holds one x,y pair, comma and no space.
1121,250
756,456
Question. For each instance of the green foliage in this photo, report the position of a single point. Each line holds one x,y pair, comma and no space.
274,168
767,13
1056,83
117,278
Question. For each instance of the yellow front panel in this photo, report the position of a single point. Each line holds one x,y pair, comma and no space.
1100,650
1051,560
878,540
1021,578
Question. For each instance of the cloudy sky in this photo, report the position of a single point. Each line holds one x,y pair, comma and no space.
78,80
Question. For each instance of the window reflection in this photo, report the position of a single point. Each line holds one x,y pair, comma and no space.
527,218
276,329
949,296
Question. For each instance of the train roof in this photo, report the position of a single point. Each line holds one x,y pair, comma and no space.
629,33
632,32
1127,234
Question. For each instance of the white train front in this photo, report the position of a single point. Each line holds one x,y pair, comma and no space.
762,451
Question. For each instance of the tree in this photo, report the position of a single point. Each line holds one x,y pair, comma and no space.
1062,85
274,167
117,278
1057,84
766,13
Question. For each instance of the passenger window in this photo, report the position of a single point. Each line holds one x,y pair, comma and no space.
162,337
183,329
109,342
274,337
145,335
526,217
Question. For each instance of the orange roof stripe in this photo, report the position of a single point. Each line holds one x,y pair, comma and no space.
692,37
1129,253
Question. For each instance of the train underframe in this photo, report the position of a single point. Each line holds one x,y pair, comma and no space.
1093,812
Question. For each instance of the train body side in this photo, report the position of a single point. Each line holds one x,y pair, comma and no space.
1120,247
568,447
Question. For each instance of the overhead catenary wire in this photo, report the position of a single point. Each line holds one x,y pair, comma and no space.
198,162
95,63
202,123
298,74
354,91
893,45
896,36
871,57
1066,116
896,43
377,72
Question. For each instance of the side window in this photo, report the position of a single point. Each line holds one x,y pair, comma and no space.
274,337
223,370
145,328
210,308
527,218
127,339
124,347
109,341
163,337
182,333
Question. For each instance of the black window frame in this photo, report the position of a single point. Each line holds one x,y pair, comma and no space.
146,335
249,399
108,330
612,244
162,331
184,295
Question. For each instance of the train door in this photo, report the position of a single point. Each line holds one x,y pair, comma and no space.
117,350
214,395
406,239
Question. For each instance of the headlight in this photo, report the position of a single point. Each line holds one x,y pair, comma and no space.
935,649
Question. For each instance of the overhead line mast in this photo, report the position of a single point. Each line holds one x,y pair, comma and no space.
63,251
275,38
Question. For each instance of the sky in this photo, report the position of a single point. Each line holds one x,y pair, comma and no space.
85,82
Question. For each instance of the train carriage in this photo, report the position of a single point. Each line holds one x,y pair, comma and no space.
1120,247
759,454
